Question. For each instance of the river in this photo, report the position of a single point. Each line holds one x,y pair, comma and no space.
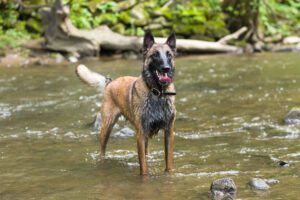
230,111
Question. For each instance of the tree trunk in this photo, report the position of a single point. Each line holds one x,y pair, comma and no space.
243,13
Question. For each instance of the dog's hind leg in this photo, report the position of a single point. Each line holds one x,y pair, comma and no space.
109,115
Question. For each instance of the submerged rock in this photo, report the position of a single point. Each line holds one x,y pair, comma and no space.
293,117
59,58
97,122
124,133
73,59
282,163
258,184
271,181
223,189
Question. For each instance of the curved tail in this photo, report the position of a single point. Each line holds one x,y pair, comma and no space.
91,78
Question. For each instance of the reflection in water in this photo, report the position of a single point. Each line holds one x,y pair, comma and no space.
229,123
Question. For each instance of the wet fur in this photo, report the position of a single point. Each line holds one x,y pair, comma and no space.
156,114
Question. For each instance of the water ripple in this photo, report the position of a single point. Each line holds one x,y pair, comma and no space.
201,174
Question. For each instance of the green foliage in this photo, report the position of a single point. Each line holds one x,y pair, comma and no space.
12,30
12,38
274,18
198,19
280,18
194,18
80,14
8,15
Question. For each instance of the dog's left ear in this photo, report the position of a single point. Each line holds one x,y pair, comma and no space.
171,41
148,41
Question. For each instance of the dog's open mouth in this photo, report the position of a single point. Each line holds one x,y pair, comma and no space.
163,77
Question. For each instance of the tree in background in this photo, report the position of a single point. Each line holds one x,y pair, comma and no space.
267,20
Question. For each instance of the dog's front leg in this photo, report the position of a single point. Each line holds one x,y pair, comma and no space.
141,141
169,146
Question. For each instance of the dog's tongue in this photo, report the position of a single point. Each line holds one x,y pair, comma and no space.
163,77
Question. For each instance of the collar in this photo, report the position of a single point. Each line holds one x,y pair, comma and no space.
159,93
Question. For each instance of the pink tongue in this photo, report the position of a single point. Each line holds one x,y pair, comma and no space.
164,78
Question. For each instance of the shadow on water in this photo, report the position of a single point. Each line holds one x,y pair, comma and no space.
229,124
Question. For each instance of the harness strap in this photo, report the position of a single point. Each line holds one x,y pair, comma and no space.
130,93
158,93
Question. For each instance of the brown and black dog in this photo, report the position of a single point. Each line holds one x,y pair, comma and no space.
146,101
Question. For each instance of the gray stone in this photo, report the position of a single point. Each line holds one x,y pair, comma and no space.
124,133
258,184
130,55
223,189
271,181
97,122
59,58
293,117
73,59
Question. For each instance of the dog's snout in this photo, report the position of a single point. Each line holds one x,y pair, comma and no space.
166,69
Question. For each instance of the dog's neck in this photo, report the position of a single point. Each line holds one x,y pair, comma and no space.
154,87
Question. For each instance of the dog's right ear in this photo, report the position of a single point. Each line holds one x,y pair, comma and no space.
148,41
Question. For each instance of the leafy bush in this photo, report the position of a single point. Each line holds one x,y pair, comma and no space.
12,38
12,31
281,18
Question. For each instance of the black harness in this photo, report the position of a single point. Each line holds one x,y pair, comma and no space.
159,93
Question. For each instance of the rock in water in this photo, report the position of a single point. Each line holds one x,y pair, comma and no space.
97,122
223,189
124,133
258,184
73,59
282,163
293,117
272,181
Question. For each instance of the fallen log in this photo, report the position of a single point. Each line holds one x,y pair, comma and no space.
61,35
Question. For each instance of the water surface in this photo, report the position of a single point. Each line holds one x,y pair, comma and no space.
229,124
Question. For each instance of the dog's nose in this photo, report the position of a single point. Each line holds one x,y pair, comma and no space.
166,69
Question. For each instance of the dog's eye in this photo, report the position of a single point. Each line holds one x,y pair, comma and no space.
169,55
156,54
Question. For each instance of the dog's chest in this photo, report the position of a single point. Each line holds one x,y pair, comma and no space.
156,114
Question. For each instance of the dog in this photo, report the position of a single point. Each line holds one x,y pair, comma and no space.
147,101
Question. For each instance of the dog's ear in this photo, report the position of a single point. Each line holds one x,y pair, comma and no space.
148,41
171,41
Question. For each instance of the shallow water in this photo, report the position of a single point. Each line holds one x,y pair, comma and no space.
229,124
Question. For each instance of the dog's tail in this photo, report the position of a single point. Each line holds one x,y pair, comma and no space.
91,78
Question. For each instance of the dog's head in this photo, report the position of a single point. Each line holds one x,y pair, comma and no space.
159,68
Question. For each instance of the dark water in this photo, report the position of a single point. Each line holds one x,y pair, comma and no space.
229,124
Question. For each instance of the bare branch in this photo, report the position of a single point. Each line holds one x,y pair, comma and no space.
234,35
